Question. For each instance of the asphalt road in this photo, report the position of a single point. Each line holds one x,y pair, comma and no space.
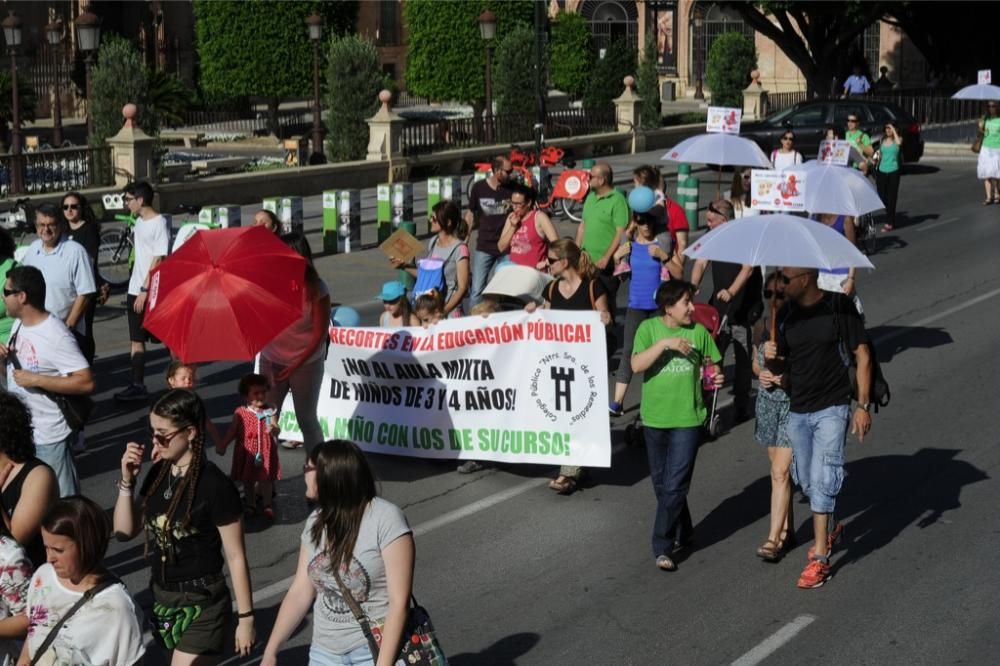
513,574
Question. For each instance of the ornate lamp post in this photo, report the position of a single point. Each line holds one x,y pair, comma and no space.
488,30
54,34
698,37
12,33
315,25
88,37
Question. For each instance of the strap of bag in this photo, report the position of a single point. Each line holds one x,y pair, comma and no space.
593,301
11,351
87,596
359,615
552,285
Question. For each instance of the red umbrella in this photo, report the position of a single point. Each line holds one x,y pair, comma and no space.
225,294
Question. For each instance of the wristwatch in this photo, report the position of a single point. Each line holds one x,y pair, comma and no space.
864,405
143,290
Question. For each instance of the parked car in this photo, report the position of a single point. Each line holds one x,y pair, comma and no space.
808,120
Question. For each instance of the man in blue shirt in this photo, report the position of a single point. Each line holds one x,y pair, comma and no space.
856,84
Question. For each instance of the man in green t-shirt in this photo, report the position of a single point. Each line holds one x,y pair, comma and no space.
861,141
605,216
671,351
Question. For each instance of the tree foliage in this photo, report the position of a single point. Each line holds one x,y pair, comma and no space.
353,81
26,94
119,77
607,74
648,84
446,58
514,72
261,47
169,98
572,54
730,61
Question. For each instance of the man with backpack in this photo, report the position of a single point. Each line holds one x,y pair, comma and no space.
817,334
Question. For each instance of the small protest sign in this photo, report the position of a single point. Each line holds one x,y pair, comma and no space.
782,191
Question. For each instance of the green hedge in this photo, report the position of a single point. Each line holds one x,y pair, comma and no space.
730,61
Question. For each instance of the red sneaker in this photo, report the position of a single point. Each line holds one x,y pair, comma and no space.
814,575
269,513
831,539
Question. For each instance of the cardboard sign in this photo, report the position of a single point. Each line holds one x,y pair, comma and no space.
723,119
783,191
834,152
402,245
985,76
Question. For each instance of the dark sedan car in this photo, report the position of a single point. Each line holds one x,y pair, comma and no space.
808,120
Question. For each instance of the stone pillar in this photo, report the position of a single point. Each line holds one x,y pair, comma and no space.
385,132
628,114
132,150
754,99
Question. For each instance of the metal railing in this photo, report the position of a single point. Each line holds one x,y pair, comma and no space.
405,99
58,170
427,136
782,100
246,121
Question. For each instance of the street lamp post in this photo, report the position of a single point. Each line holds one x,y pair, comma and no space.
88,37
12,33
698,92
488,30
315,24
54,33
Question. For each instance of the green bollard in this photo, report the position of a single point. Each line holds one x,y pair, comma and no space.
683,171
691,203
587,164
405,277
383,211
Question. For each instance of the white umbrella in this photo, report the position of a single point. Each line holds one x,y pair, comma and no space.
718,148
982,91
778,240
838,190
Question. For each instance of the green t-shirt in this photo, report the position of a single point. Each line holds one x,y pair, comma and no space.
602,217
6,321
991,135
671,387
858,138
889,162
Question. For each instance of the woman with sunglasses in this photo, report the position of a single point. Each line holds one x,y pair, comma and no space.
785,155
448,247
356,543
191,513
770,429
86,230
861,142
988,168
887,160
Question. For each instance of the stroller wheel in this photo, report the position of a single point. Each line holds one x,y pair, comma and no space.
714,426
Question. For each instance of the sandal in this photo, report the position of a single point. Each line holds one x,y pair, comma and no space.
564,485
664,563
771,551
886,228
987,202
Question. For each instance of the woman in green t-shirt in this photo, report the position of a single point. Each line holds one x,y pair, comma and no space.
670,351
888,158
988,168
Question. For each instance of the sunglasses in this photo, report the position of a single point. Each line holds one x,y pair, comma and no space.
164,440
777,295
788,138
552,259
852,120
713,209
10,292
128,199
71,206
786,279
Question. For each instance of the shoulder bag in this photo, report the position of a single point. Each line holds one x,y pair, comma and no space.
420,644
76,409
87,596
879,393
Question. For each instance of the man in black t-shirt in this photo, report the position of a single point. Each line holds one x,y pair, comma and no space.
815,332
489,206
737,297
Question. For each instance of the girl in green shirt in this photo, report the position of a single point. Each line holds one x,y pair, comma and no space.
888,158
988,168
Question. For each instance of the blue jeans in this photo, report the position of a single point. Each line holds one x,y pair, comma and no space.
818,440
361,656
671,453
482,265
59,457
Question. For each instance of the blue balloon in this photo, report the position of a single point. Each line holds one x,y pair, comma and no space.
345,316
641,199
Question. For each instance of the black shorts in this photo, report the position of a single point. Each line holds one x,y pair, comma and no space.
136,333
208,633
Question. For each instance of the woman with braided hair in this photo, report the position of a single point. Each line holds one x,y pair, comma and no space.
191,513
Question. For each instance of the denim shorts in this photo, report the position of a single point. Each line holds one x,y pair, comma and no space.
359,656
818,440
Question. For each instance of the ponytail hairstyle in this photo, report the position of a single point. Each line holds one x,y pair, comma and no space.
345,487
577,259
649,176
449,218
184,409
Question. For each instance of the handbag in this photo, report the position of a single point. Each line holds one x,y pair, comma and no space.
977,145
420,644
76,409
87,596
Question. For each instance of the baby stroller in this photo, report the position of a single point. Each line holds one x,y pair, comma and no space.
707,316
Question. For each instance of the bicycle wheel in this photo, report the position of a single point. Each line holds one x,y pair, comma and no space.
869,234
113,256
572,208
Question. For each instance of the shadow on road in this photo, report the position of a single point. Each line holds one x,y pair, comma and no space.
504,652
887,494
734,513
919,169
907,337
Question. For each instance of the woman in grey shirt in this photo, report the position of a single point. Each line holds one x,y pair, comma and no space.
448,245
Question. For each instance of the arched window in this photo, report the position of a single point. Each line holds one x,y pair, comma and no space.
610,21
715,21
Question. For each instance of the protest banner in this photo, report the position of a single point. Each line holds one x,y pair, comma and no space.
515,387
778,190
834,152
984,77
723,119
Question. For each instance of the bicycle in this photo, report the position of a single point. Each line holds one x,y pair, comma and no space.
867,233
19,221
189,227
116,251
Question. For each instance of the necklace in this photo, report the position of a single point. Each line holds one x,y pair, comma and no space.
169,491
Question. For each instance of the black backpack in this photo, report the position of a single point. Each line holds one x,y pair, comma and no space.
878,392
